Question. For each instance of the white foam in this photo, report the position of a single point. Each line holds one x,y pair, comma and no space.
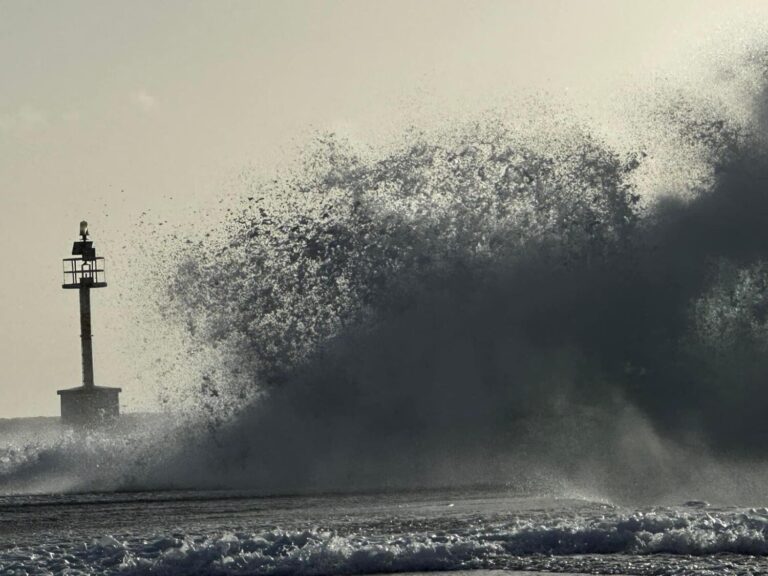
728,539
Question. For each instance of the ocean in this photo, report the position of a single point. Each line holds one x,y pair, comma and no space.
478,529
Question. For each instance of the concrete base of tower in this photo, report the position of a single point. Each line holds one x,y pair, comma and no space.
90,407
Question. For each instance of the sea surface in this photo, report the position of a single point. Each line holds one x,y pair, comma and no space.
225,532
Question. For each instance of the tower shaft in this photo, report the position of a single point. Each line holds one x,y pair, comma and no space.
86,336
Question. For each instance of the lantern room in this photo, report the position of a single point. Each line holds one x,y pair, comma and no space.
87,269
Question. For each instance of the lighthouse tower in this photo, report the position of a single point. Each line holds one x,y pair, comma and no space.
87,405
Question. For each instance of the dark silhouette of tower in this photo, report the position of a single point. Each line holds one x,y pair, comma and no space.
87,405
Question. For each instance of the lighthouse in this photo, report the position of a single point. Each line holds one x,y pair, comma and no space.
87,405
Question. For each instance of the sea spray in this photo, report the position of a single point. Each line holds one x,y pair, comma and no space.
482,304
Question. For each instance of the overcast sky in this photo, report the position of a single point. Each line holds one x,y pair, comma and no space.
110,109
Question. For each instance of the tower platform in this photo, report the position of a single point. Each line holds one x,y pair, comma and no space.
89,406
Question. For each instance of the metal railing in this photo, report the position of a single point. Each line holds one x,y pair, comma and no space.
79,272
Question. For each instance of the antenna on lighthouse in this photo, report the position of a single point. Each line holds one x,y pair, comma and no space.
87,405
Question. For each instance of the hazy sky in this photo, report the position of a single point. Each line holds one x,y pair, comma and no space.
109,109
